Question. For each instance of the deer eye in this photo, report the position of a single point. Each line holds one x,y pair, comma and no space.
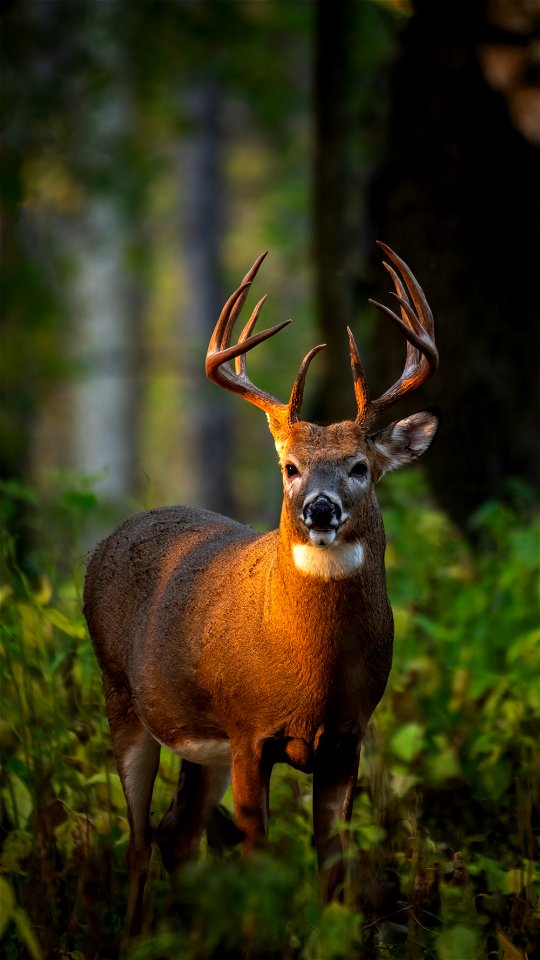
291,470
359,469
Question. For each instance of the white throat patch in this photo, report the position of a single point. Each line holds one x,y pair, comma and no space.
328,562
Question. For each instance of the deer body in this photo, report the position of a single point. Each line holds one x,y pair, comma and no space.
286,671
239,650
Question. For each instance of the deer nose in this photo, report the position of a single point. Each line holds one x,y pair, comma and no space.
322,513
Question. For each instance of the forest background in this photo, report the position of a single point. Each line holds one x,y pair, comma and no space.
150,151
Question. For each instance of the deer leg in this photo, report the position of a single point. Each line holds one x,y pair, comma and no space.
250,786
199,790
137,759
334,779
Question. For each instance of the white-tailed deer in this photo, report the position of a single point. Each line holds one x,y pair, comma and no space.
238,650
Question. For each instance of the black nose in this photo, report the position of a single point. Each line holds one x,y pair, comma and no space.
321,513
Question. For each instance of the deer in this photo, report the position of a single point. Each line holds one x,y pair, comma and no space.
238,650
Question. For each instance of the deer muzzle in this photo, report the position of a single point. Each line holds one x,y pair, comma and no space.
322,514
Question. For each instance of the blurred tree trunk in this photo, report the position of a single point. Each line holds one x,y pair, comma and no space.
76,217
459,198
106,344
105,294
202,220
332,225
353,43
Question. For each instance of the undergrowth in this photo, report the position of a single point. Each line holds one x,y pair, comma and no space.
446,814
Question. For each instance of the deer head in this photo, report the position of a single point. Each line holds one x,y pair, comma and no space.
329,471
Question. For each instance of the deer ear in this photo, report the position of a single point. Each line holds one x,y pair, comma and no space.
405,440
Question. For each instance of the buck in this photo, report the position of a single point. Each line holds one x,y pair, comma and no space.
238,650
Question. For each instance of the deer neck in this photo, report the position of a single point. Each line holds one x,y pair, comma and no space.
325,611
336,569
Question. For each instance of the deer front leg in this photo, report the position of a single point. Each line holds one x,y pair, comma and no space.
334,778
250,788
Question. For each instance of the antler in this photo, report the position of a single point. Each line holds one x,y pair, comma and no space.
421,359
220,352
416,324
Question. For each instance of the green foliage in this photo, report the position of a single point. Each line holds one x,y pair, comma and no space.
447,793
468,646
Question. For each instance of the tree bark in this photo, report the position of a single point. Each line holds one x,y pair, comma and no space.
459,198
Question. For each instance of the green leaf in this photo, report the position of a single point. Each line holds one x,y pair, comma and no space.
59,619
26,934
111,788
17,800
16,848
408,742
494,874
443,763
338,932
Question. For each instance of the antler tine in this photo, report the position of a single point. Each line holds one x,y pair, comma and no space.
221,337
420,340
240,362
220,351
297,392
359,378
246,283
417,294
413,355
422,357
